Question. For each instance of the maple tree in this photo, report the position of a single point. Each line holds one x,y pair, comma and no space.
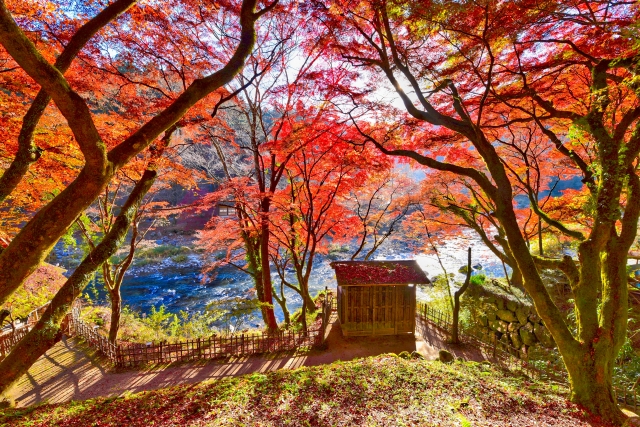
311,212
279,111
466,71
115,268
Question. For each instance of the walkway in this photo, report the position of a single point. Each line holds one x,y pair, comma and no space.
67,372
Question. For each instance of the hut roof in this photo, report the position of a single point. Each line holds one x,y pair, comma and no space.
353,273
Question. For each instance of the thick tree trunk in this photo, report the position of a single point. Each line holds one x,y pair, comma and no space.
116,308
303,316
254,264
286,314
47,331
588,356
516,277
311,305
282,302
591,386
306,297
260,294
34,242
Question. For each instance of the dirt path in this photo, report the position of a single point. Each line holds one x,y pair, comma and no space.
68,372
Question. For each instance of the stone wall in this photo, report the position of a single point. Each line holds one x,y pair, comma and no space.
509,316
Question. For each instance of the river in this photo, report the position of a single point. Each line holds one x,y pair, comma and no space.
179,286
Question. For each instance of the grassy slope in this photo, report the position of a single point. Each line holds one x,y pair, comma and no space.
385,391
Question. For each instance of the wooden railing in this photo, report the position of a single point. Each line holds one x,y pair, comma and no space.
214,347
124,355
329,305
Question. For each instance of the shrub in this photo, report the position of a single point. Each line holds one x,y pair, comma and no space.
478,279
161,252
179,259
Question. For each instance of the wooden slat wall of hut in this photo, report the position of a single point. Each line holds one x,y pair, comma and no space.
377,310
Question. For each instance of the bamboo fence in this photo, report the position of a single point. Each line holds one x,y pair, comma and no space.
213,347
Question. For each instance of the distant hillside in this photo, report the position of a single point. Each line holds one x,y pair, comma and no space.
378,391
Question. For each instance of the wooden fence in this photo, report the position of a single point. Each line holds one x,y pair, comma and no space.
329,305
513,358
91,335
10,337
214,347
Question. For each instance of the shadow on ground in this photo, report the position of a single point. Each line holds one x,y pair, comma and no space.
68,372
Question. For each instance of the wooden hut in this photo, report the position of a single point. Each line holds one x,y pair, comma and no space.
377,297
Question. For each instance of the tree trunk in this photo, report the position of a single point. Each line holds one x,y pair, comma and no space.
260,294
267,286
516,277
303,315
254,265
590,355
591,385
282,302
34,242
116,308
309,302
283,305
310,305
455,339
